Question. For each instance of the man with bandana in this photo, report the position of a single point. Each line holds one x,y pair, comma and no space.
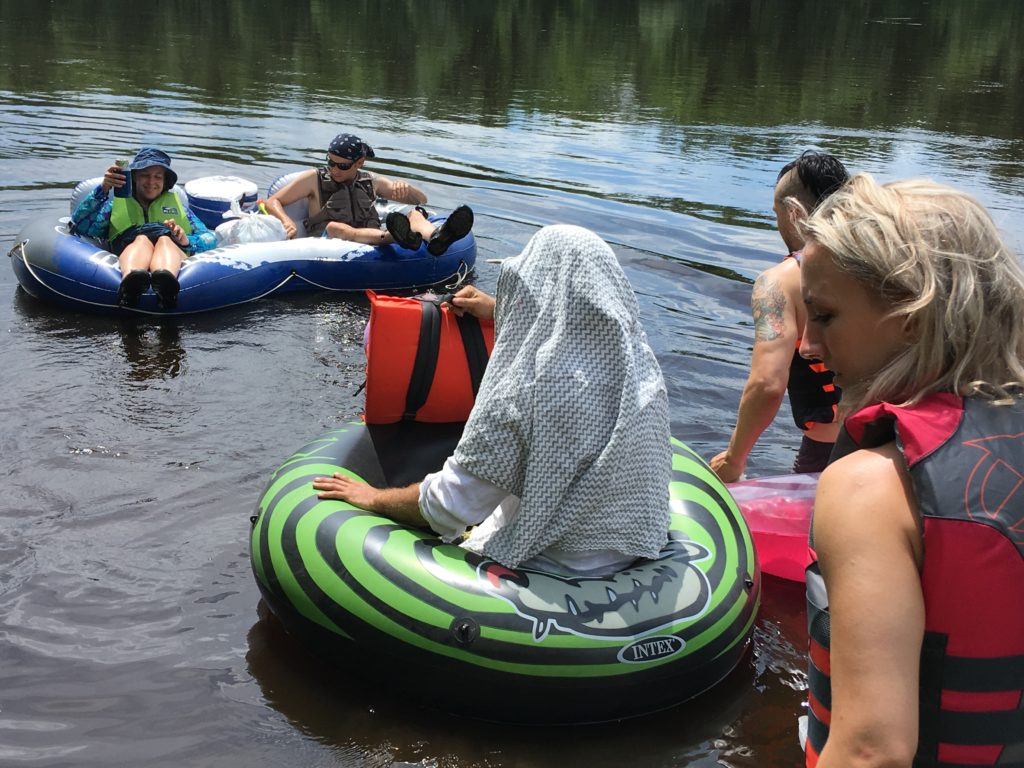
341,195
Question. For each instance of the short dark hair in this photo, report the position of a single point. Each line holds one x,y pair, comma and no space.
819,173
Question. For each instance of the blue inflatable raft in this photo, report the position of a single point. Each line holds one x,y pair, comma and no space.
77,272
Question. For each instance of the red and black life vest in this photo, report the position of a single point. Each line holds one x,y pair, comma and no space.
423,362
813,397
350,203
966,463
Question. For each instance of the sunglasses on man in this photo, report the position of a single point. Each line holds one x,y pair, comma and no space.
339,166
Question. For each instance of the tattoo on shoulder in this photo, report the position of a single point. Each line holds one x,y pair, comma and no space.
768,307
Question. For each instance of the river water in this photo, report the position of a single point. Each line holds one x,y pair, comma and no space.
133,452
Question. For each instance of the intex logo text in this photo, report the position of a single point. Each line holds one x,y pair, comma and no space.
651,649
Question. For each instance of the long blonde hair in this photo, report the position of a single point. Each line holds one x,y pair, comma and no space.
932,255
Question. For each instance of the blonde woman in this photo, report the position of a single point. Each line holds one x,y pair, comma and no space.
916,601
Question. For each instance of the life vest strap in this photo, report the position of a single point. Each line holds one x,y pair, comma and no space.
476,349
425,364
933,651
1005,673
973,728
820,685
817,733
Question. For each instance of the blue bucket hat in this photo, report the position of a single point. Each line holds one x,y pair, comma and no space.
350,147
150,156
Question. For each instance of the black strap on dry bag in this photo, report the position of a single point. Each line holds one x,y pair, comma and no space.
428,350
426,359
476,349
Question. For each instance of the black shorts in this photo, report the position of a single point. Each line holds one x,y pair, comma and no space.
154,230
812,456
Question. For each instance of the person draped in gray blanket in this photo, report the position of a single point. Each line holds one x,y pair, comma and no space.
564,462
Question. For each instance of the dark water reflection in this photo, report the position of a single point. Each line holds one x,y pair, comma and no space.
132,452
347,709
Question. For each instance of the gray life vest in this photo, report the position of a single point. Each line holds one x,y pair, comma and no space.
349,203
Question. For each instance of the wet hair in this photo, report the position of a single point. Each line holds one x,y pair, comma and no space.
819,174
934,257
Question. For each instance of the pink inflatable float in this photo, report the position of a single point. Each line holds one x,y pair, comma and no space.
778,512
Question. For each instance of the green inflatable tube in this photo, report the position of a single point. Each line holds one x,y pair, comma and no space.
461,632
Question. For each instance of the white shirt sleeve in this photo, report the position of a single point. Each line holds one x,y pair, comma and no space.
454,499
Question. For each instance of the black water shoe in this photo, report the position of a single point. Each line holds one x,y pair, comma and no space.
133,285
403,234
165,286
455,227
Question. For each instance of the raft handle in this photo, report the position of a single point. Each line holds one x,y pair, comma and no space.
15,247
460,277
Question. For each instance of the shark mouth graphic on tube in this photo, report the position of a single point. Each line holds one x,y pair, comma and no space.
667,590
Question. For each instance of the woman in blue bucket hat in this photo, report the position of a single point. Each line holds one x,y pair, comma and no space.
147,224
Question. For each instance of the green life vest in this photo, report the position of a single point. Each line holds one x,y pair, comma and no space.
128,213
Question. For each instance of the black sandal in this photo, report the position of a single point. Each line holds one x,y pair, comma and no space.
133,285
455,227
403,234
166,287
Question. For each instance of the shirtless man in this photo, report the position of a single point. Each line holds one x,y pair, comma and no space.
340,197
779,319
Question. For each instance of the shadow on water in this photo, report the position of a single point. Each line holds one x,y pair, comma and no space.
343,705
